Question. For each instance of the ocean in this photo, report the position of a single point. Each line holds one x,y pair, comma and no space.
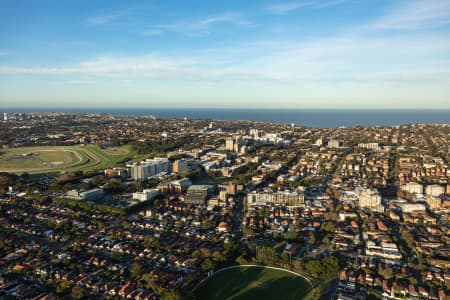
323,118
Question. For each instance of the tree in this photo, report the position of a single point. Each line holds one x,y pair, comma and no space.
98,180
125,224
207,224
387,272
329,226
247,230
196,254
217,256
172,295
291,236
156,203
412,280
312,238
285,258
62,287
207,265
135,269
241,260
151,242
151,283
113,186
78,292
327,239
323,268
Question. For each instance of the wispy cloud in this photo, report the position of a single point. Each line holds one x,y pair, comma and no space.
4,53
415,14
337,59
111,17
103,19
153,31
357,55
285,7
71,44
75,82
149,65
199,26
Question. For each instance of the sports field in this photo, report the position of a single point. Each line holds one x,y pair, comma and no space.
46,159
247,283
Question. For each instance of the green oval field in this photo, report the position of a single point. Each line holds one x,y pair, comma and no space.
36,158
247,283
60,158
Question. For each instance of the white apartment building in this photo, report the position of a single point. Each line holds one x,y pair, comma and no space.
282,197
385,250
434,190
372,146
146,194
369,198
407,207
413,188
334,144
150,167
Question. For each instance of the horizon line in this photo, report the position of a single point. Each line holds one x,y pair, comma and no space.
84,109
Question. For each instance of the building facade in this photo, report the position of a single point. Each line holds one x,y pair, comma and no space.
150,167
434,190
282,198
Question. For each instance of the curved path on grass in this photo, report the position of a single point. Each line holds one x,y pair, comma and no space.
116,151
84,158
247,266
78,159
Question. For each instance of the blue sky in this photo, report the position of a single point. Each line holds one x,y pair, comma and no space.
264,54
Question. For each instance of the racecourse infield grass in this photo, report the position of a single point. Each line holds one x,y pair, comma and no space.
47,159
247,283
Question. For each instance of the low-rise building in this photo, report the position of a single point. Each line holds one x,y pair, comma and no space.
434,190
413,188
146,194
408,207
198,194
88,195
282,197
369,198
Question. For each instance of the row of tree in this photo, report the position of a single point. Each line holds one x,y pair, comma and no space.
89,207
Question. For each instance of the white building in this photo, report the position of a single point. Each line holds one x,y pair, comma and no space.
255,133
334,144
282,197
88,195
319,142
385,250
434,190
407,207
229,144
372,146
146,194
369,198
413,188
175,186
150,167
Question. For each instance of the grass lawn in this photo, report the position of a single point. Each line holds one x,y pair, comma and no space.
247,283
61,158
33,158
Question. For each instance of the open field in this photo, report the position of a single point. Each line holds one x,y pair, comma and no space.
46,159
246,283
